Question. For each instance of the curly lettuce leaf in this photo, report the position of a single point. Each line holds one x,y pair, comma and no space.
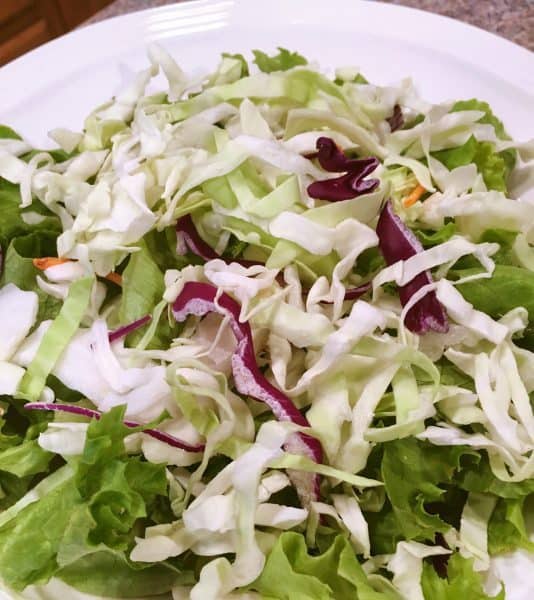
282,61
488,119
414,474
478,477
491,165
98,509
506,529
25,459
462,581
290,573
494,167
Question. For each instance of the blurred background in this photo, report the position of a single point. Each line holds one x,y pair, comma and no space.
25,24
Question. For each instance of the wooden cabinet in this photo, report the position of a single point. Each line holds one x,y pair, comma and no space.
25,24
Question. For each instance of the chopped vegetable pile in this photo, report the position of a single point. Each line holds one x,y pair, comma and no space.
267,334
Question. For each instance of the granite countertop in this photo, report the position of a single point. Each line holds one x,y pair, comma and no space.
512,19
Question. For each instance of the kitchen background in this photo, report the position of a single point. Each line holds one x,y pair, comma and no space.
25,24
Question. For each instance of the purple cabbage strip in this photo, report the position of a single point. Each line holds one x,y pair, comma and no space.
202,298
162,436
396,121
347,186
189,239
396,243
354,293
358,292
123,331
332,158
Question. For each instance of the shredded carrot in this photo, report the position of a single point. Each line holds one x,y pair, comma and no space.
414,196
114,277
52,261
48,261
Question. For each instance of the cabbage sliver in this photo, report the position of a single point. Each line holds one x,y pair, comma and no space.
267,332
199,299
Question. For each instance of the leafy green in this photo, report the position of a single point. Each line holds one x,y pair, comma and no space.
433,238
506,528
98,509
413,472
494,167
461,581
508,288
490,165
509,156
8,133
488,119
20,460
478,477
162,248
19,268
241,59
282,61
25,459
11,221
370,261
290,573
26,558
142,288
505,239
111,575
358,79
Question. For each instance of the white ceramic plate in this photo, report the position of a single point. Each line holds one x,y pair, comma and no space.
58,84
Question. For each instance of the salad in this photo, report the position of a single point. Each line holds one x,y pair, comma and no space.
267,333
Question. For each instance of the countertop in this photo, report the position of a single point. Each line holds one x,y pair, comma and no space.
512,19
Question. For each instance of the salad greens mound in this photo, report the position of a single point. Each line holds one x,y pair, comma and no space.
267,333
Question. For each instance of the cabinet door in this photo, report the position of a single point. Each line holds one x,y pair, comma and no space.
75,12
25,24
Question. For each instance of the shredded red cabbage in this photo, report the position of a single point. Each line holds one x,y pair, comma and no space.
95,414
357,292
332,158
202,298
347,186
121,332
396,243
189,239
396,121
353,293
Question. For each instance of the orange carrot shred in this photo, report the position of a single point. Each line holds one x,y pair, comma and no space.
114,277
48,261
414,196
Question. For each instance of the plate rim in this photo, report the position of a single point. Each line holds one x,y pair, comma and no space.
519,60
